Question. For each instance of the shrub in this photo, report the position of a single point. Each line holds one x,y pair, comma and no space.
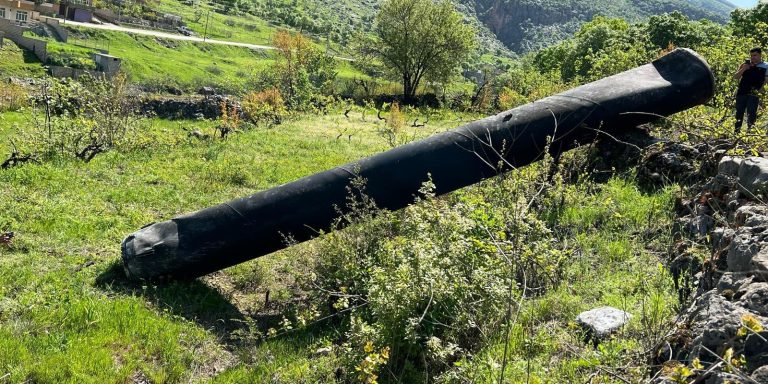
82,119
426,285
12,97
265,106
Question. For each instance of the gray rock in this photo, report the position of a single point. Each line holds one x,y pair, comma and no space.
727,378
741,250
756,298
729,166
753,175
751,216
756,350
760,264
601,322
732,281
324,351
694,226
721,237
760,375
715,320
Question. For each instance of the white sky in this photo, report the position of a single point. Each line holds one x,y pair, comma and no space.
744,3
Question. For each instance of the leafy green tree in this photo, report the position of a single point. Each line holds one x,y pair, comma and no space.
675,29
751,22
419,39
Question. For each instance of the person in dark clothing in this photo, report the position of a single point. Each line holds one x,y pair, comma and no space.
751,75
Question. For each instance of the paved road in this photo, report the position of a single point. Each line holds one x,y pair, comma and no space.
164,35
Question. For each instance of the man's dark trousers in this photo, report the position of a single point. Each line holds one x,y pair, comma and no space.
749,104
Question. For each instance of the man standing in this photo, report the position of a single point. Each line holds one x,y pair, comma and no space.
751,75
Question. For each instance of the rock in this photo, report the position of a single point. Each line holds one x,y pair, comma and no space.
726,378
715,320
753,175
721,237
601,322
760,375
751,216
756,298
741,250
669,162
694,226
760,264
756,350
324,351
729,166
731,281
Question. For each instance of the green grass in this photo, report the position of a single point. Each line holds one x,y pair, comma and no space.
18,62
156,62
619,234
67,316
244,29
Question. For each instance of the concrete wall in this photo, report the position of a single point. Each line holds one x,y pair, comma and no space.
62,33
67,72
14,33
106,14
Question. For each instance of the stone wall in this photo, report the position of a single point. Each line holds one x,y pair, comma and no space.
62,33
723,334
15,33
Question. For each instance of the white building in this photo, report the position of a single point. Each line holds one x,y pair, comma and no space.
23,11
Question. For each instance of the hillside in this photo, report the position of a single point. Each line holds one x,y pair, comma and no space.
526,25
518,25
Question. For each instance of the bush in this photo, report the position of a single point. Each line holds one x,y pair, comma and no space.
265,106
12,97
427,285
82,119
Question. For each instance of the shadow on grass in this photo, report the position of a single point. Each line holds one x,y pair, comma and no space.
29,57
193,300
197,301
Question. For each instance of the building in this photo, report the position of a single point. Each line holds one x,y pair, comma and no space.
23,12
76,10
106,63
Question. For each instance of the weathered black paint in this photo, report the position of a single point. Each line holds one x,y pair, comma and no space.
195,244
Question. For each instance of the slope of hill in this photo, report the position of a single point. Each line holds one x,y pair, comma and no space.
526,25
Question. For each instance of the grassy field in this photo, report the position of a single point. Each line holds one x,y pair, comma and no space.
18,62
68,315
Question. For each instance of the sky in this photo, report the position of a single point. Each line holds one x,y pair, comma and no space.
744,3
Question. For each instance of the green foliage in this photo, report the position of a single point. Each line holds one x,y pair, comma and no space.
675,29
302,73
433,281
12,97
82,119
420,40
267,105
751,23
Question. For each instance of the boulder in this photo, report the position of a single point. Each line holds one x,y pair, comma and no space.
741,250
716,321
603,321
751,216
729,166
760,375
756,350
760,264
753,175
756,298
721,237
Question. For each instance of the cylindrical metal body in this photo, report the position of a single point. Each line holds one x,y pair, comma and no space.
198,243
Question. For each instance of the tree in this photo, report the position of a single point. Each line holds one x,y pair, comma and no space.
419,39
751,22
301,71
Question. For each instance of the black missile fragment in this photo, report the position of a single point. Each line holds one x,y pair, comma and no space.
208,240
